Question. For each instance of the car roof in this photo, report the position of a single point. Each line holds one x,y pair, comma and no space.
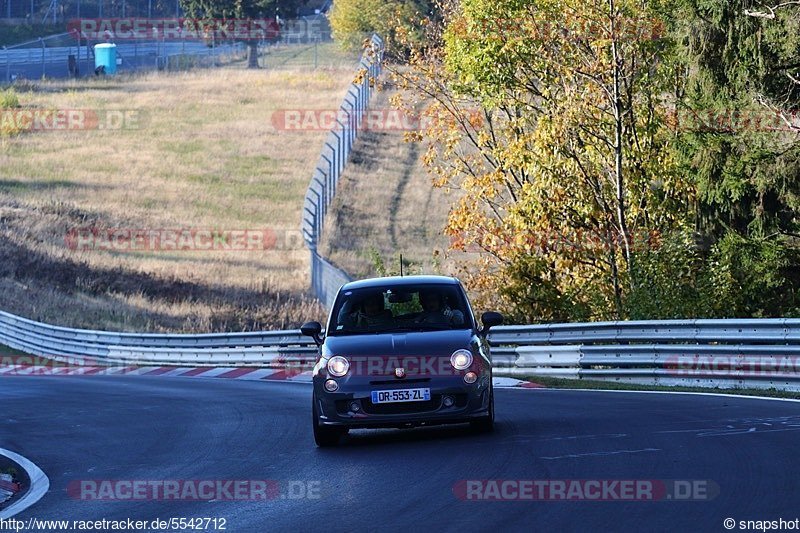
374,283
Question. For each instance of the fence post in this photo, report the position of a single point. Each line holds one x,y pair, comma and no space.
347,132
317,214
44,71
354,118
321,207
8,64
339,148
328,176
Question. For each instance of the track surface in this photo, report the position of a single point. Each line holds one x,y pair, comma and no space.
164,428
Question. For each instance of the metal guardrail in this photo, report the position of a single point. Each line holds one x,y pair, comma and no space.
269,349
757,353
326,278
724,353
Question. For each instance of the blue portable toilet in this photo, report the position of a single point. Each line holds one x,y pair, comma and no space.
105,55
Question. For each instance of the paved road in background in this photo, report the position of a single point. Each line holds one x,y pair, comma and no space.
143,428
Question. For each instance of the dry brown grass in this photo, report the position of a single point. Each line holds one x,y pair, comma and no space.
386,205
205,156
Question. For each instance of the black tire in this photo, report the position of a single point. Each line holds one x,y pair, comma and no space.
325,437
485,424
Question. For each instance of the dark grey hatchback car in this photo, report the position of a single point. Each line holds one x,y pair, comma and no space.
401,352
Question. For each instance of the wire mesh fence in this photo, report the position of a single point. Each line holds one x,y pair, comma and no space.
326,278
302,43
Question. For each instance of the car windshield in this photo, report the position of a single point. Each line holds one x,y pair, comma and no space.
425,307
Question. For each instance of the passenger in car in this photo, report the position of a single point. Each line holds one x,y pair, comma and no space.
435,311
370,312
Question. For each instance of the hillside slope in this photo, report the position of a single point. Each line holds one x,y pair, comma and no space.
386,205
204,154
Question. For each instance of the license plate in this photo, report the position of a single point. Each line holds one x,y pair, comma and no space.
401,395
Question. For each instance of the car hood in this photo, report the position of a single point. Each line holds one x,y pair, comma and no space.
430,343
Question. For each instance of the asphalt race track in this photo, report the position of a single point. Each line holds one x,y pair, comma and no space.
140,428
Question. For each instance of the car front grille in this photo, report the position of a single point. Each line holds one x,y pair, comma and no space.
401,407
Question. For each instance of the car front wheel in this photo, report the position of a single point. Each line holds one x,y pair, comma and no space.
486,424
324,436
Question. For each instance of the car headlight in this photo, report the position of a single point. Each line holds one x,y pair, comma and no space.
338,366
461,359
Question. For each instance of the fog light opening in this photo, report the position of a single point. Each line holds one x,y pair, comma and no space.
331,385
470,377
355,407
448,401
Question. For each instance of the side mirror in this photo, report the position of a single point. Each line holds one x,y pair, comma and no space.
490,319
312,329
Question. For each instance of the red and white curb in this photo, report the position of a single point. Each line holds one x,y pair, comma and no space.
239,372
39,485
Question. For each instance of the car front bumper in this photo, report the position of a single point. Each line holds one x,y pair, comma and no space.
471,402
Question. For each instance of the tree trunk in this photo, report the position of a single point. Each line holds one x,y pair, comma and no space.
252,54
618,141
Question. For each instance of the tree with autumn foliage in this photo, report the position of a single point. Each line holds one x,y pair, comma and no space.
354,21
550,118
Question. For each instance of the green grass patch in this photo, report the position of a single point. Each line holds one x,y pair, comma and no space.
5,350
9,99
563,383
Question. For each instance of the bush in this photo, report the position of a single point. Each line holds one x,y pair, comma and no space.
8,99
670,280
738,277
754,277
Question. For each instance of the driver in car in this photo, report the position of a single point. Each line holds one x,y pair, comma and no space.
372,312
435,311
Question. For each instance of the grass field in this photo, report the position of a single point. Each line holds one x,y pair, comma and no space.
204,154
